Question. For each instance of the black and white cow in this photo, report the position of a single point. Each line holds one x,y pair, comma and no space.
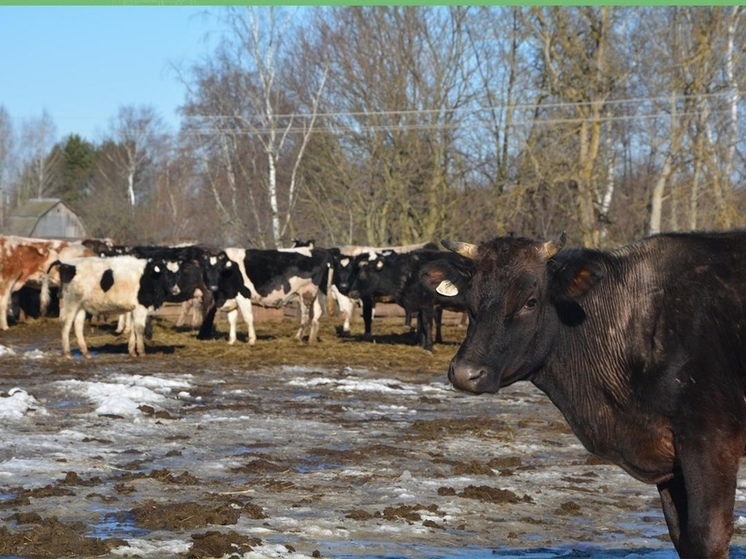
117,284
396,277
198,265
272,278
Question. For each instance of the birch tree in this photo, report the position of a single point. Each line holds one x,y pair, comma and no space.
38,171
6,152
255,107
138,132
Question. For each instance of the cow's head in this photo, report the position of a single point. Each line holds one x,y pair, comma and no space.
156,283
520,294
342,267
370,270
216,266
448,279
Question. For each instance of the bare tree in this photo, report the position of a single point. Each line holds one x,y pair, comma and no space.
38,172
239,109
6,148
400,81
580,69
139,133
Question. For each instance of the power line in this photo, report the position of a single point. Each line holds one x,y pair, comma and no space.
250,131
637,101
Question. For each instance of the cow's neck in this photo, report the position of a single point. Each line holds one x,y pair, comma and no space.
588,377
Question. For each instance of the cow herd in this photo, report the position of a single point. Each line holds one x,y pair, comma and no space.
643,348
98,277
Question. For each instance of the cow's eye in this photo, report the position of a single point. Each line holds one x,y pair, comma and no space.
531,304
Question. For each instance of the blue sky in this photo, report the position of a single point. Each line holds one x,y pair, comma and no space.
82,63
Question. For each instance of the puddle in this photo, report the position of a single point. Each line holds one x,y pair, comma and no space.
117,525
377,550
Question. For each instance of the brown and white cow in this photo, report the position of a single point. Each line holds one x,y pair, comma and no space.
25,260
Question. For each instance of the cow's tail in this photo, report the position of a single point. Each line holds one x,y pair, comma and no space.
44,297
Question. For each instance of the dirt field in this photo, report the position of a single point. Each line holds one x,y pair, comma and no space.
344,449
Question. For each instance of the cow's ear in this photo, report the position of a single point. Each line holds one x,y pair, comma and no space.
576,277
443,279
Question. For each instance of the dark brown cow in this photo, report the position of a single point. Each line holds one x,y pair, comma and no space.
643,349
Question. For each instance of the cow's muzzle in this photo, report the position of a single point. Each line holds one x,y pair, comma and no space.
471,377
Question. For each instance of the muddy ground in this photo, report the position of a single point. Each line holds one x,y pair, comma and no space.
342,449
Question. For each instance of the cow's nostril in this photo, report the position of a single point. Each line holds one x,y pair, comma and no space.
477,375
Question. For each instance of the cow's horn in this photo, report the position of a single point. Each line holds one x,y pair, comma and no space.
464,249
550,248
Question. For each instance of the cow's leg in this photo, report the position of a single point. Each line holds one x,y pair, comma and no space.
673,502
304,318
711,475
232,320
346,308
464,320
367,318
438,325
67,315
310,310
424,334
205,331
196,311
244,305
79,325
316,311
139,318
185,307
124,323
5,293
699,506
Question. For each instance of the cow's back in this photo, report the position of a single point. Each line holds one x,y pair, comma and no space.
101,284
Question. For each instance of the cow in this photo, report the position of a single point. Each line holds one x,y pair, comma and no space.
117,284
197,270
396,277
271,278
346,262
341,268
642,348
25,260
